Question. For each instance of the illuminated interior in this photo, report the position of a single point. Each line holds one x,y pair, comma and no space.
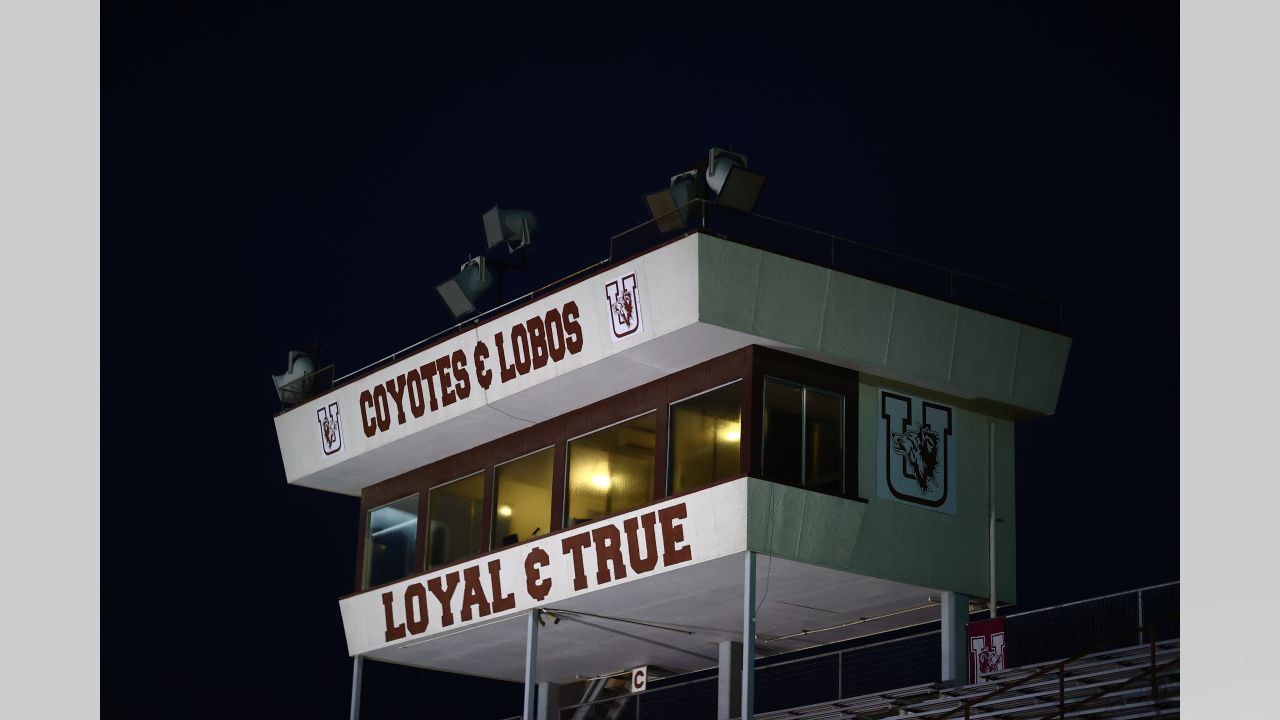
611,470
455,520
706,433
522,506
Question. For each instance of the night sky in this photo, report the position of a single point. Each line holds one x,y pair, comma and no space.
274,176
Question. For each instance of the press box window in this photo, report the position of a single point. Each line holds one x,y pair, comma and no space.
803,436
389,545
611,470
522,505
706,438
455,520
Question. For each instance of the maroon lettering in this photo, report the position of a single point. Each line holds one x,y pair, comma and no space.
533,582
484,377
473,593
673,534
608,550
417,403
415,608
394,631
632,527
395,388
381,409
366,404
460,375
555,335
576,544
572,329
446,383
537,341
444,596
428,376
520,348
505,372
500,602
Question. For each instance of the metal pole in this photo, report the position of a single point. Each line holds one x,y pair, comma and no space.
531,668
991,495
357,677
1141,639
1155,680
749,637
1062,692
840,676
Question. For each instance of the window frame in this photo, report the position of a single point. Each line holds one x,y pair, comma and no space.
802,372
804,435
491,491
743,403
425,521
366,546
564,484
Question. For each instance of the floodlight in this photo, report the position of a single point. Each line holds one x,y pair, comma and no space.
735,186
294,385
515,228
461,291
670,207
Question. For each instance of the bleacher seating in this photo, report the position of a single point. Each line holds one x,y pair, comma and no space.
1109,685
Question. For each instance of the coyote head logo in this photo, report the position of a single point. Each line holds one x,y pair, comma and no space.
330,428
624,308
919,447
623,301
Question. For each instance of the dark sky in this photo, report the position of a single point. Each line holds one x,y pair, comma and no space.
273,176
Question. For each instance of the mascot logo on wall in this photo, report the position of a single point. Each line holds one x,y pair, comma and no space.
916,452
624,306
330,428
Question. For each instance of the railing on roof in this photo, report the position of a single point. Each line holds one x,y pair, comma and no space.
846,255
801,243
1042,636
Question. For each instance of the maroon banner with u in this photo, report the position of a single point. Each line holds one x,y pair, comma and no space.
986,648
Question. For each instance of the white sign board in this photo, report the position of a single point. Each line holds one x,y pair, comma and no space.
598,317
639,679
680,532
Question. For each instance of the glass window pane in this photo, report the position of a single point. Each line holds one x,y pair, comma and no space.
389,546
455,518
706,435
611,470
523,498
783,432
824,441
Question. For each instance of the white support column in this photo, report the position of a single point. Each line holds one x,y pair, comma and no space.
548,701
531,668
357,679
749,637
955,640
729,685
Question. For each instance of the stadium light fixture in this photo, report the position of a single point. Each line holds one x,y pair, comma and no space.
293,386
461,291
735,186
513,228
670,207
